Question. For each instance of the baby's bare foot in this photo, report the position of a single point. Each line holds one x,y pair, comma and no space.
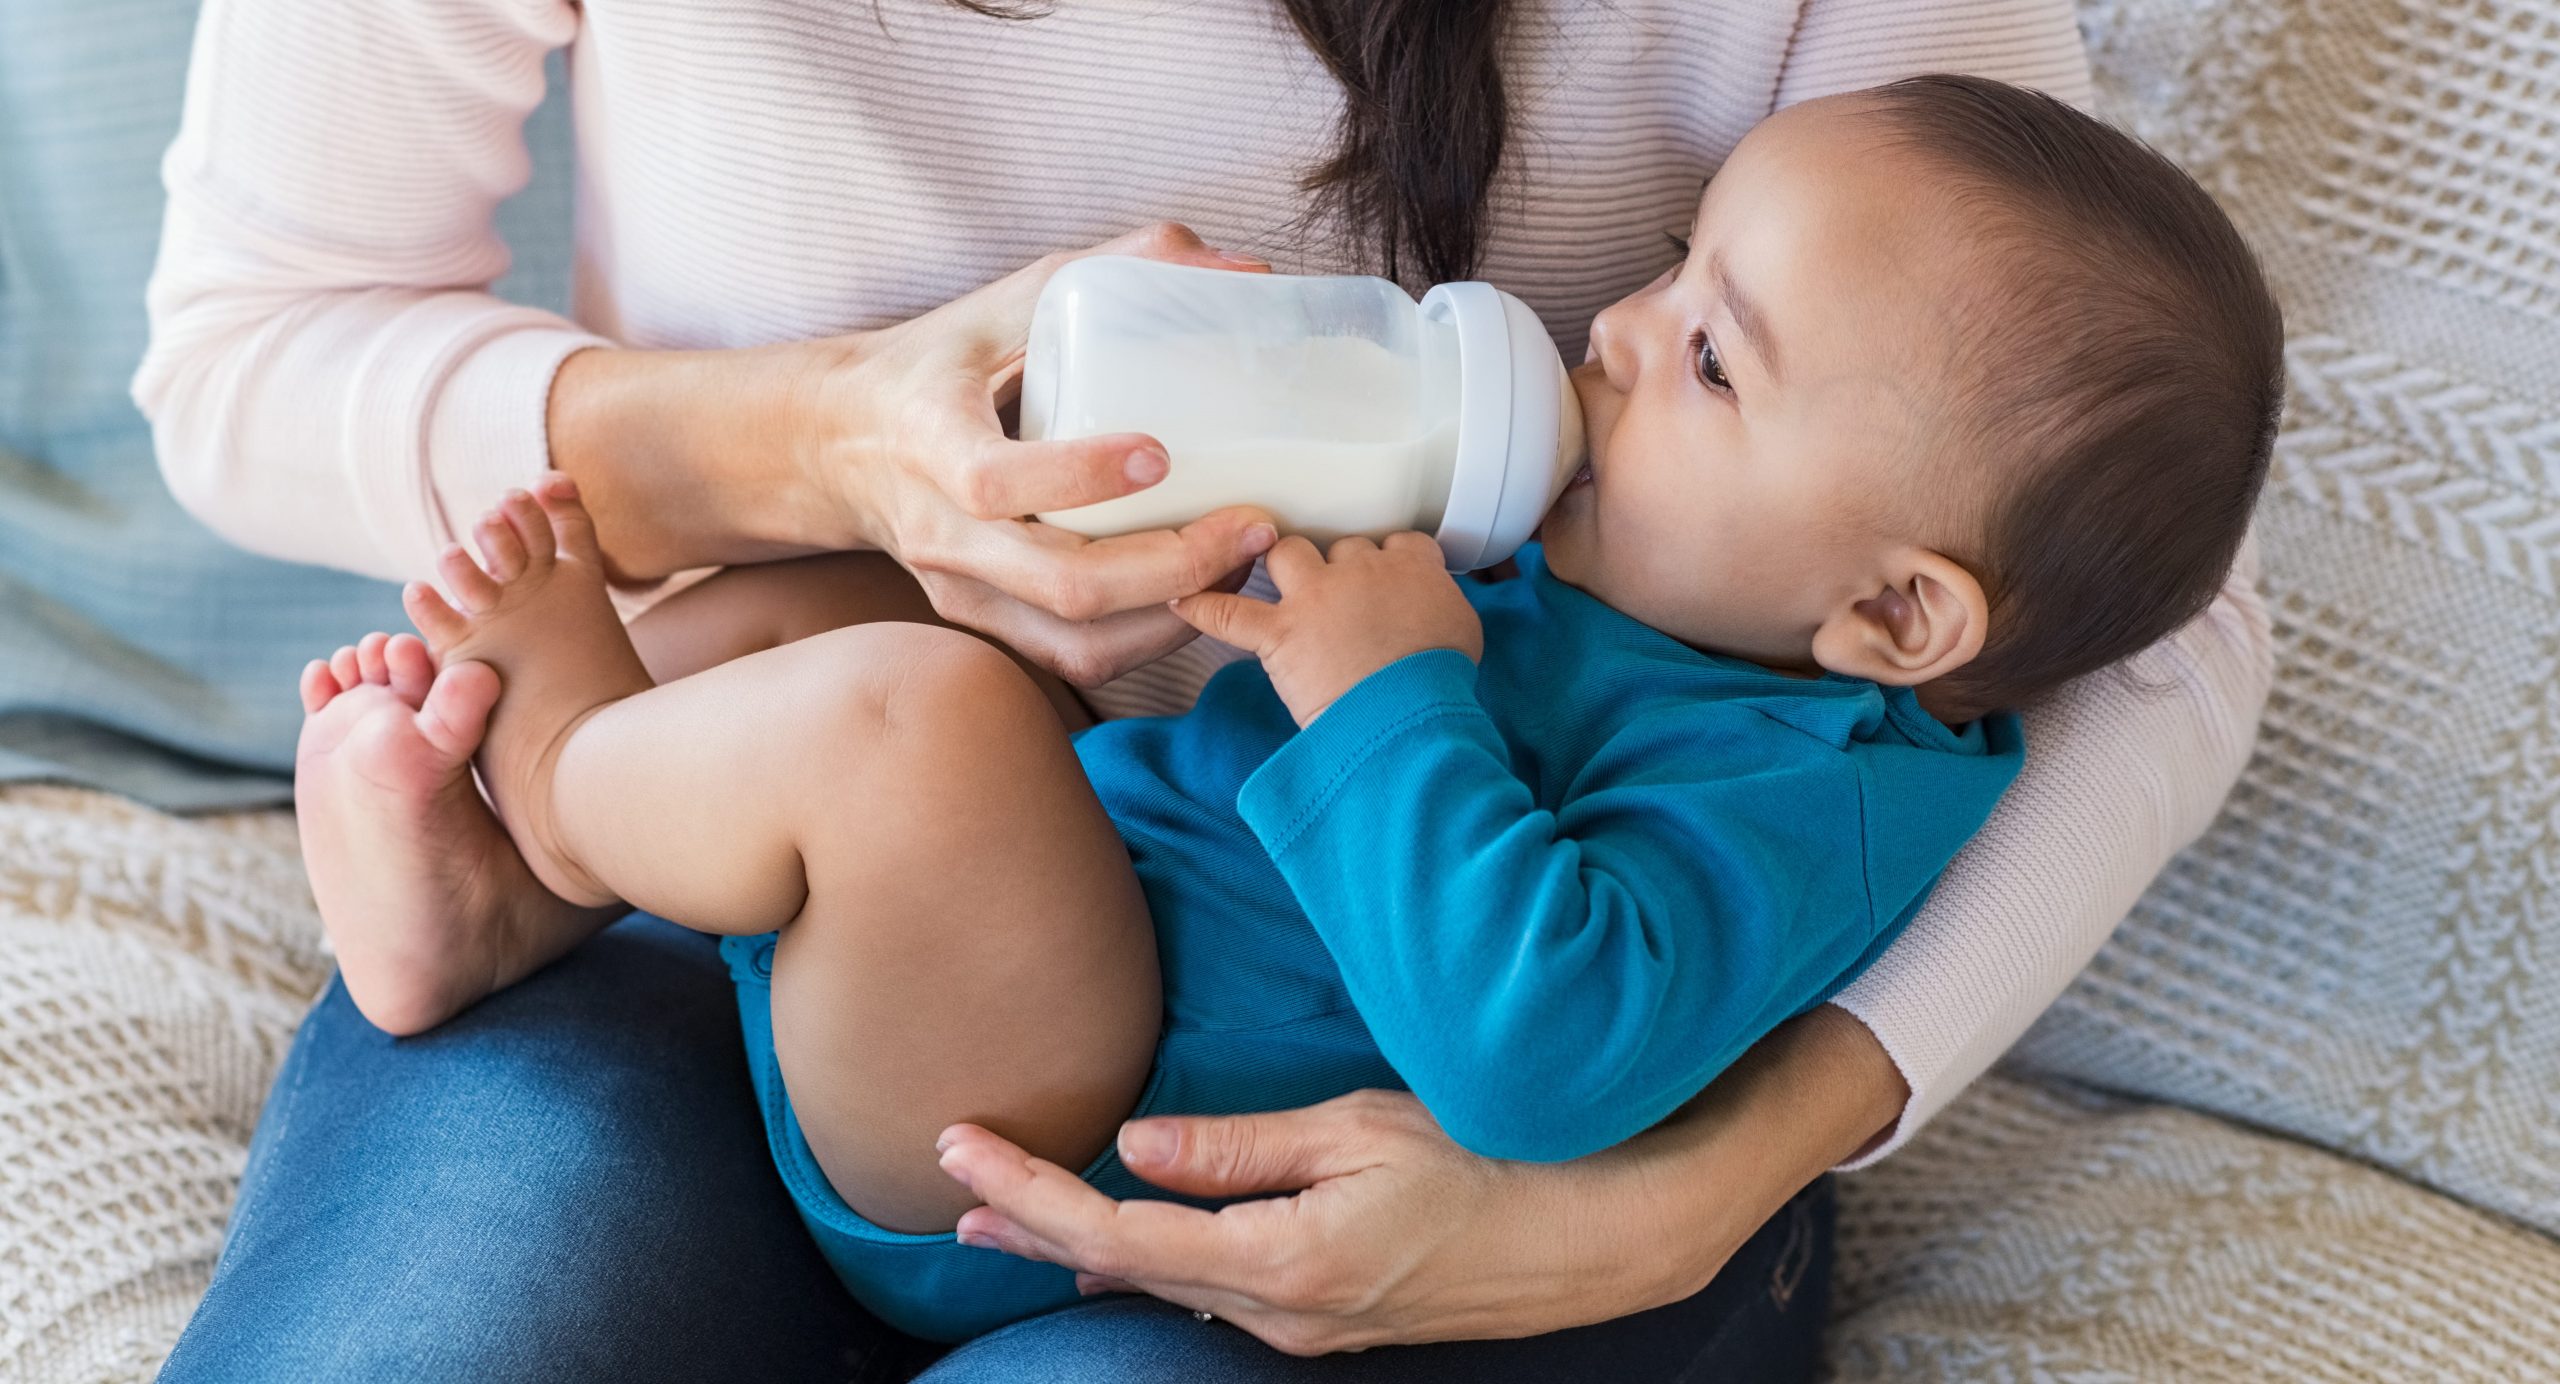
533,610
425,899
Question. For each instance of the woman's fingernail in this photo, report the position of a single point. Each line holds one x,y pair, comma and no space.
1147,1141
1255,261
958,1171
1146,466
974,1240
1259,538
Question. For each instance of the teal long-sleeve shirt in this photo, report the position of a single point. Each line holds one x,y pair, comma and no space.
1566,887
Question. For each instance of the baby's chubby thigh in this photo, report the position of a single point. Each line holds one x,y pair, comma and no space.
973,945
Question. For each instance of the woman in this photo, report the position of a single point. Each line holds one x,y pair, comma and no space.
775,197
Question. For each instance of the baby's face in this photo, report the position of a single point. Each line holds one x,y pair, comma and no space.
1762,417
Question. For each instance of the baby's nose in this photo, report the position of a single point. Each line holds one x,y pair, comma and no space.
1605,351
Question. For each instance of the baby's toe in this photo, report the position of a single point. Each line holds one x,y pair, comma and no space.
473,590
369,664
344,666
531,529
501,552
456,710
575,532
412,668
432,614
319,685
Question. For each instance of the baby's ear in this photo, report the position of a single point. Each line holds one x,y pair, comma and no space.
1926,619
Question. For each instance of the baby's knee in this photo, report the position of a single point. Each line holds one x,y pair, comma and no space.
941,679
923,683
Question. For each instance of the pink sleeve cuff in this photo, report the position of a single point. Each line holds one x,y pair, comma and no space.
488,425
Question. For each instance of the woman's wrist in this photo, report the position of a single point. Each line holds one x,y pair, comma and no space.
702,458
1684,1195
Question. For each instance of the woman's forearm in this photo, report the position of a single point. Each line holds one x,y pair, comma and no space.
2127,766
698,458
1684,1195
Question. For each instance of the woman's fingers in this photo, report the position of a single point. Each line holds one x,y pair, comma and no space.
995,477
1307,1273
1237,1155
951,488
1038,1210
1084,653
1213,1262
1000,312
1078,579
1175,243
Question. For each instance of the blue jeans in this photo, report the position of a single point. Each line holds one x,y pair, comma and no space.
570,1181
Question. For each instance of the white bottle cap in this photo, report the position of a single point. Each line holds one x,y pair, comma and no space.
1519,424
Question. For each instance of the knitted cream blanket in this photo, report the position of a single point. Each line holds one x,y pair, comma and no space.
2334,1026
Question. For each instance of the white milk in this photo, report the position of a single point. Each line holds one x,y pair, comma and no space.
1327,433
1337,403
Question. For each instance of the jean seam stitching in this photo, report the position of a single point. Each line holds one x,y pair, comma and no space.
244,1212
1799,1215
288,1099
1794,1257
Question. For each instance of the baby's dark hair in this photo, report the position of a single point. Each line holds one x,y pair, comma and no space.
2127,373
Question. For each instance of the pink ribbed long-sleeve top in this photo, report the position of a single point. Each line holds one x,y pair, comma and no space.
330,380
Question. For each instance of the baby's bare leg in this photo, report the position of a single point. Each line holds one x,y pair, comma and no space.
427,900
963,938
746,610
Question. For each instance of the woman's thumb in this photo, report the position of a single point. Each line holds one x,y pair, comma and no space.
1236,1155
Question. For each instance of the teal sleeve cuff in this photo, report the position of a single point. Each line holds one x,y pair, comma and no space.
1293,788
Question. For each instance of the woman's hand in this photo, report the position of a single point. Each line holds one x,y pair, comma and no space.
1396,1235
908,424
894,440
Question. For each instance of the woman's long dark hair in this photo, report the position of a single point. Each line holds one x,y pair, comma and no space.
1422,128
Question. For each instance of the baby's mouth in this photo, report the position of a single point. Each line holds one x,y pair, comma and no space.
1581,480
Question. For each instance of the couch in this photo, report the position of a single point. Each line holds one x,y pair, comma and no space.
2299,1120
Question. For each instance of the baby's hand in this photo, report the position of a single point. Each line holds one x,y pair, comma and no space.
1342,615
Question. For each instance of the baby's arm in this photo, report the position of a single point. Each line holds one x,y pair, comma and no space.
1551,983
1548,986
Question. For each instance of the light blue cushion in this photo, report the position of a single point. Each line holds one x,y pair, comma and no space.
138,652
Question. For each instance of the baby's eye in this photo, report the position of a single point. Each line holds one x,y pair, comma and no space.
1710,365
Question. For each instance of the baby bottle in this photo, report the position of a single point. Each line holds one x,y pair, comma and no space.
1337,404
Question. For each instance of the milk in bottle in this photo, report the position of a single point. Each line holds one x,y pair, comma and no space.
1337,404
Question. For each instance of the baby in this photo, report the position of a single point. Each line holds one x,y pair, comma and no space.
1956,395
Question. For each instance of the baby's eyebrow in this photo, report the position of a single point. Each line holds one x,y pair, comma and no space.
1746,316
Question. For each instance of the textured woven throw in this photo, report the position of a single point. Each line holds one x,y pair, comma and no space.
2331,1033
157,967
2364,953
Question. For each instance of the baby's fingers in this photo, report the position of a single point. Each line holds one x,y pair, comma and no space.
1412,544
1248,624
1291,561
